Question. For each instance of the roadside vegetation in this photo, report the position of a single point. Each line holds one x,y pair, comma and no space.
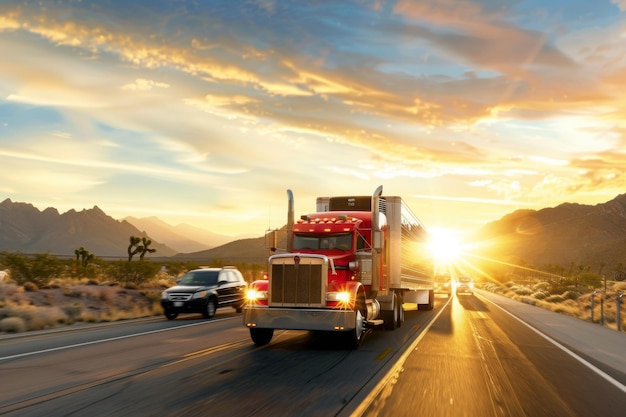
42,291
566,295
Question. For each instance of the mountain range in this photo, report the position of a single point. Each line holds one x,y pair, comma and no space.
570,234
24,228
591,237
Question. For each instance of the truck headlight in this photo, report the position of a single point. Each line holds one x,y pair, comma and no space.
255,295
341,296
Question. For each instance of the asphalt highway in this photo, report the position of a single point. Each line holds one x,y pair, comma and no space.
475,355
487,355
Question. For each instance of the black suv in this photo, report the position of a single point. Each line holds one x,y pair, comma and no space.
204,291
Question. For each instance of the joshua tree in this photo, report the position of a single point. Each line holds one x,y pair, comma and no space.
134,247
144,248
83,256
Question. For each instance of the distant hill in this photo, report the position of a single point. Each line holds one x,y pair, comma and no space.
26,229
183,238
569,235
250,250
566,235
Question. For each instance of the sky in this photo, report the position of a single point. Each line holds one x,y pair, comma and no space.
206,112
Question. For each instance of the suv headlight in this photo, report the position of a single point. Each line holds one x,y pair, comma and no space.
164,295
199,294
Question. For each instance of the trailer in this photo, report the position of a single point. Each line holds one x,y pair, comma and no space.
348,267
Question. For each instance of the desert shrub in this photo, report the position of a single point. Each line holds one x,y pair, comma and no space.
8,290
570,295
11,294
39,269
131,286
72,312
589,280
568,307
493,287
43,317
30,286
133,272
541,295
37,318
557,298
102,293
509,284
522,291
541,286
12,325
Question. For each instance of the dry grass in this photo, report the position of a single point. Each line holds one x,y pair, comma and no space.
70,301
570,303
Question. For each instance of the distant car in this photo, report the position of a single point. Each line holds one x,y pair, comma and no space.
465,285
443,284
205,290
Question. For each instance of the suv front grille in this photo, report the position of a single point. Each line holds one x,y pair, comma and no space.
178,296
298,285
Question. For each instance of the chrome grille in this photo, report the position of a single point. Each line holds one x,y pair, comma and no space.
301,285
178,296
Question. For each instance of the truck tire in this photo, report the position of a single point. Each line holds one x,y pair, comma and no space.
392,318
431,302
400,310
354,337
261,337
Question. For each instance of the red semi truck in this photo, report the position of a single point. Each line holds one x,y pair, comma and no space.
348,267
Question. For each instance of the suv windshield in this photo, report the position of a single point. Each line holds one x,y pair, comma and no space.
199,278
316,242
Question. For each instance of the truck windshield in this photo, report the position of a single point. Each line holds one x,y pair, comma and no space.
316,242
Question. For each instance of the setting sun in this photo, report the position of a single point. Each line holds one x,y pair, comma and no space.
445,246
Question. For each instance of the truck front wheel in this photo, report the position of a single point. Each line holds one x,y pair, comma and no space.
261,337
354,337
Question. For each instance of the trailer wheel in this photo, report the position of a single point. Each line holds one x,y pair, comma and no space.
431,302
391,318
400,310
261,337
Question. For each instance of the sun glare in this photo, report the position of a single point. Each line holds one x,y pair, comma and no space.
445,247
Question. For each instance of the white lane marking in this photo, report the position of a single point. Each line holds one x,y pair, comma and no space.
395,369
94,342
589,365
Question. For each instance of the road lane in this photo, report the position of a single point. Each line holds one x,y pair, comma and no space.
477,360
188,370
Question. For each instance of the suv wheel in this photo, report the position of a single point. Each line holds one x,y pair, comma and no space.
170,315
209,311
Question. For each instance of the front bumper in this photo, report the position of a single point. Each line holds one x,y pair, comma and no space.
190,306
299,319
